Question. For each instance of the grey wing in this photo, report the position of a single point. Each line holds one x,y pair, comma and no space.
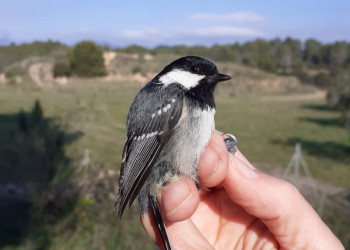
145,143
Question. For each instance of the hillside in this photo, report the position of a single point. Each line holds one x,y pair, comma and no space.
138,68
16,53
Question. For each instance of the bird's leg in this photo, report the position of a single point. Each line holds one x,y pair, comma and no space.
159,221
231,143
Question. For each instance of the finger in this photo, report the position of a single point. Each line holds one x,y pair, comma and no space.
179,200
213,164
182,235
278,203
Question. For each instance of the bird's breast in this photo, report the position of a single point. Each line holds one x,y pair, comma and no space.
190,137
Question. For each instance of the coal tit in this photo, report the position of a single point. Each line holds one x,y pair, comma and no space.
169,124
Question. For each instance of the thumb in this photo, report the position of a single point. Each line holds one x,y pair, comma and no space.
182,235
281,207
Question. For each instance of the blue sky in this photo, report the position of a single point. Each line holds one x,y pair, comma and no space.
151,23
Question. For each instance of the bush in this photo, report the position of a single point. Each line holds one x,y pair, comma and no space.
339,93
61,69
323,80
135,49
14,70
62,64
35,165
339,96
87,60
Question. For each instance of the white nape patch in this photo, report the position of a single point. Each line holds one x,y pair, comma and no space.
185,78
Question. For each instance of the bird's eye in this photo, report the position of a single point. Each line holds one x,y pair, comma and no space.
195,69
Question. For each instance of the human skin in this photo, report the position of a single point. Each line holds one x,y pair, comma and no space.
238,207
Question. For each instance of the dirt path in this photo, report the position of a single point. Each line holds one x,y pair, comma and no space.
319,94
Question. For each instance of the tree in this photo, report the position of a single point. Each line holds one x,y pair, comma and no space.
34,156
236,53
325,54
284,57
264,55
312,52
259,53
221,53
135,49
161,49
61,63
198,50
87,60
348,59
339,96
296,53
180,49
338,54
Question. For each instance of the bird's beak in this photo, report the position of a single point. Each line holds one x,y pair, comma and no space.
218,77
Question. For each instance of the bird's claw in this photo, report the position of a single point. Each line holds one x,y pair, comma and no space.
231,143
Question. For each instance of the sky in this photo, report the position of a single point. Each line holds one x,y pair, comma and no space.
151,23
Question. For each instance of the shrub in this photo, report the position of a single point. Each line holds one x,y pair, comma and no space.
61,69
62,64
339,96
14,70
323,80
87,60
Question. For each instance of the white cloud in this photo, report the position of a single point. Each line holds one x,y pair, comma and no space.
188,35
237,16
216,31
83,30
143,34
225,31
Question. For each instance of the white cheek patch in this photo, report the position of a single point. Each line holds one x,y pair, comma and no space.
185,78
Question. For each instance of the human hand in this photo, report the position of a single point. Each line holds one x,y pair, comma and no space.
237,208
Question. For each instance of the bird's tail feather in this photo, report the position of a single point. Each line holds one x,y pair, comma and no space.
159,221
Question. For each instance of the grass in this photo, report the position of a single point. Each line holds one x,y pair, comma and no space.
267,128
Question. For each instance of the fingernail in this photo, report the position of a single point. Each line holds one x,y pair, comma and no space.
243,168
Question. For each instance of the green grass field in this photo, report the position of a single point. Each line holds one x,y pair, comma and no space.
268,127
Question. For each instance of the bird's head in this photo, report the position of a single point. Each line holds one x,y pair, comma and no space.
192,72
197,76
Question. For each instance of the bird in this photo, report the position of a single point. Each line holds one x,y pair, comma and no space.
169,124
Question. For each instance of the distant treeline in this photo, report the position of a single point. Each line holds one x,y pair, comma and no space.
289,55
15,53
